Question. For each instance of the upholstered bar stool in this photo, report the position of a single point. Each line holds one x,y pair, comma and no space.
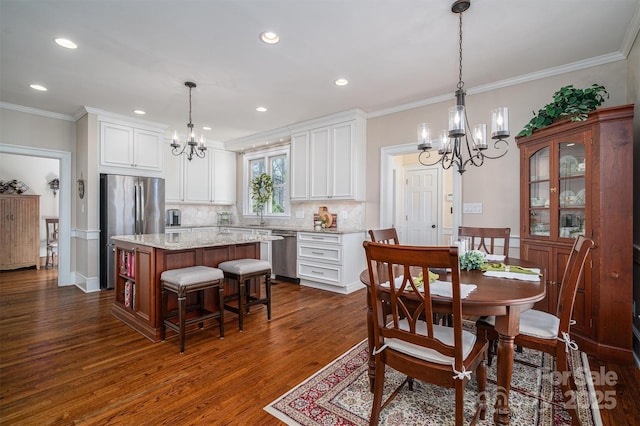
242,271
182,282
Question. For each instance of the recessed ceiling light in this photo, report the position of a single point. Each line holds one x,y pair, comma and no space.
66,43
269,37
206,128
341,82
139,112
261,109
38,87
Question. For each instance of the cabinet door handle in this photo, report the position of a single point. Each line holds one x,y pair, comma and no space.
318,272
317,252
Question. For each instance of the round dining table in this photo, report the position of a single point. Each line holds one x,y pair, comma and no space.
505,298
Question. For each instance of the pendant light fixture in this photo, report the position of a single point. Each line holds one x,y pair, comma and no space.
455,145
195,148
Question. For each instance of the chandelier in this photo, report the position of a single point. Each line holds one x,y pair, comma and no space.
195,148
455,145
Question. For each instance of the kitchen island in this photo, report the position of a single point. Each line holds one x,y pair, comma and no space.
141,259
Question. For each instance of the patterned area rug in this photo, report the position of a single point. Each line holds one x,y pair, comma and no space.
339,395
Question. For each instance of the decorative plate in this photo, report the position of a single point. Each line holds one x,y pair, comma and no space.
568,165
580,197
567,198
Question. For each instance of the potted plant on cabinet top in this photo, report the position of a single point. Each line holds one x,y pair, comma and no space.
261,191
568,102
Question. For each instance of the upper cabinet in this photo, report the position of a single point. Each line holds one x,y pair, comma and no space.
209,180
328,162
124,146
576,179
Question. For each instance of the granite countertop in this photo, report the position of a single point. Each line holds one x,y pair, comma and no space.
294,228
194,239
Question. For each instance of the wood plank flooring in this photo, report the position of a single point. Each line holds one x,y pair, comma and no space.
65,360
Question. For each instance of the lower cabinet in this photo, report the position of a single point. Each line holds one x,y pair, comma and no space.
330,261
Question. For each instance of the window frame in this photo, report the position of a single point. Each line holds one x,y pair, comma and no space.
266,155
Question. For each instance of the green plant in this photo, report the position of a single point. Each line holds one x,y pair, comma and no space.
567,102
261,190
472,260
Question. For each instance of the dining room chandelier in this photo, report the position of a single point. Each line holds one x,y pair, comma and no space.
455,145
196,148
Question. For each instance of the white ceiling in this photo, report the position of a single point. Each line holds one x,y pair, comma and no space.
138,54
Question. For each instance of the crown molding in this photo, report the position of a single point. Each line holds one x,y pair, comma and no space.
29,110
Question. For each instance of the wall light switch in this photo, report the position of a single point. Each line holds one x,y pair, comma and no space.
299,214
472,208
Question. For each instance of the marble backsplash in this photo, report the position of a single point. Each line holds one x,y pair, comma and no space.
349,214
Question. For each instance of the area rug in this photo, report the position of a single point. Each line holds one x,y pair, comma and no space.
339,395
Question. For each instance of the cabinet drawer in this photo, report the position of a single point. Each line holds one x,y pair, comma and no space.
320,237
323,273
319,253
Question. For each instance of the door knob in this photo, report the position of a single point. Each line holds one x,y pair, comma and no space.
433,226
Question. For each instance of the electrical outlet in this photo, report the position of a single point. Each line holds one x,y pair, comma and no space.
299,214
344,214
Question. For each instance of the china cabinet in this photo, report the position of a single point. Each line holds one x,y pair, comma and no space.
576,179
19,231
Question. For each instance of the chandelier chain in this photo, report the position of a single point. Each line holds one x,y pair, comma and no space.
460,82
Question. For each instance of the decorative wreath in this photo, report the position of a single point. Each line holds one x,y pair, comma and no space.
261,189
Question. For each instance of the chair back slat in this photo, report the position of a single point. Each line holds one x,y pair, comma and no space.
571,279
484,239
393,270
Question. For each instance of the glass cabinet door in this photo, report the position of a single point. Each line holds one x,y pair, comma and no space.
539,193
571,188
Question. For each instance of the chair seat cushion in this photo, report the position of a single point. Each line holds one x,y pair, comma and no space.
442,333
535,323
245,266
191,275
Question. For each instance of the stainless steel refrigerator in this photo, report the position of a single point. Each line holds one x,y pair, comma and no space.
128,205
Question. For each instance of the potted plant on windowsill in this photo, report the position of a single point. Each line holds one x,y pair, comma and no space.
261,192
568,103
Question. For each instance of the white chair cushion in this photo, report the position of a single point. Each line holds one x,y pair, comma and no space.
191,275
245,266
442,333
535,323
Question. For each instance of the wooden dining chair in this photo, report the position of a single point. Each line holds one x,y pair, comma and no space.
484,239
51,227
548,332
388,236
411,343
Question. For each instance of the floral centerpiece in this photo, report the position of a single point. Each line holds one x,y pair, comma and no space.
472,259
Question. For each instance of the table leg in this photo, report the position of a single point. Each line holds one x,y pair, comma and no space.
504,372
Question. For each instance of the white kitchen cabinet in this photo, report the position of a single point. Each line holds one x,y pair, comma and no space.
330,261
211,180
328,162
299,182
124,146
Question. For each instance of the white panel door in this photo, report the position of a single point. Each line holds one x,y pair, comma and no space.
224,176
116,145
197,180
342,165
173,176
148,149
421,207
299,183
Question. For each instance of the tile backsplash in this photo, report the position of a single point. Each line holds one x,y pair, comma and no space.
349,214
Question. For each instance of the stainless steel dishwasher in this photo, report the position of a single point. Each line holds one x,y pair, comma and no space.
285,255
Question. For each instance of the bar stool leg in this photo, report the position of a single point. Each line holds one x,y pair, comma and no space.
242,291
267,286
182,307
221,307
163,328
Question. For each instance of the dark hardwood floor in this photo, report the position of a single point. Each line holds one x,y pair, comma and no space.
65,360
